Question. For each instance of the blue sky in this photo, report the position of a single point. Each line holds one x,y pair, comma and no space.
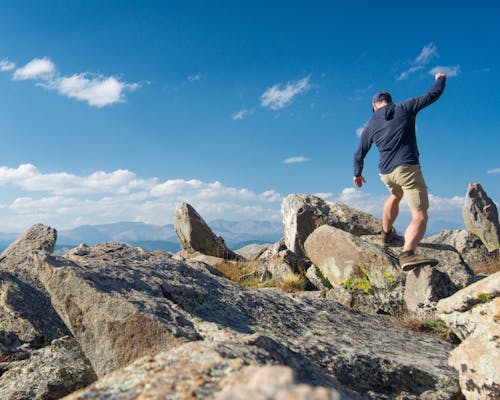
120,110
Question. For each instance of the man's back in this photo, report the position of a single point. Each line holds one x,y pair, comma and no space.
392,129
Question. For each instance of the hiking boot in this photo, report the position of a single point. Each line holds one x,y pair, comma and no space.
409,260
387,237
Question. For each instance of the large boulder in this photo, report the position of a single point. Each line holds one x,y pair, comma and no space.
47,373
122,302
116,312
195,235
424,286
253,251
477,359
303,213
469,307
474,315
468,245
342,258
481,216
216,370
26,312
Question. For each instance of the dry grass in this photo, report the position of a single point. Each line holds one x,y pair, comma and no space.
487,266
244,273
294,283
432,327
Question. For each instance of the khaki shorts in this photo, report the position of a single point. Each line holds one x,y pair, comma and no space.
408,180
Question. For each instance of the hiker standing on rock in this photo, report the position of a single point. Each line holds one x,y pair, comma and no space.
392,129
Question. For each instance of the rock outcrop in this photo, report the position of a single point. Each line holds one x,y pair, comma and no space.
33,337
469,246
27,315
303,213
424,286
215,370
474,315
481,216
342,257
477,360
252,252
114,299
47,373
466,309
121,303
195,235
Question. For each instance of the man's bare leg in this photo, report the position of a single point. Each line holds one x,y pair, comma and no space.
390,212
416,230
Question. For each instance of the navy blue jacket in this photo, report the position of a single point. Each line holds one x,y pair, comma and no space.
392,129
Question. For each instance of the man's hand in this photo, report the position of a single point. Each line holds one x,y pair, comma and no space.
358,181
439,75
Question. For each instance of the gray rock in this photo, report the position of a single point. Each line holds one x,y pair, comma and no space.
468,308
115,303
424,287
317,279
217,370
477,360
48,373
273,250
468,245
273,382
252,252
473,314
26,313
195,235
38,237
481,216
303,213
122,303
354,221
342,258
340,295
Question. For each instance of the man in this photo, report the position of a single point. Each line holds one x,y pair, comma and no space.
392,129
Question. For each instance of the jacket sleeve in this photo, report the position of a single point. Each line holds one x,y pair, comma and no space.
360,154
418,103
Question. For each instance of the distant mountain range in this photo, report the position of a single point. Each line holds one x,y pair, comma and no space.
154,237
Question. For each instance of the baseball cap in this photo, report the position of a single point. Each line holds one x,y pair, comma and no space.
382,96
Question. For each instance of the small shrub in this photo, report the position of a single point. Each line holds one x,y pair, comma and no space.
483,297
357,284
432,327
293,283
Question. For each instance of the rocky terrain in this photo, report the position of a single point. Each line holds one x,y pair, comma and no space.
113,321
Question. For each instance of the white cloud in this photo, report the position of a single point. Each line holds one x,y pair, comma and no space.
494,171
298,159
6,65
437,203
28,178
241,114
277,98
374,203
96,90
66,200
38,68
450,71
428,52
408,72
197,77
